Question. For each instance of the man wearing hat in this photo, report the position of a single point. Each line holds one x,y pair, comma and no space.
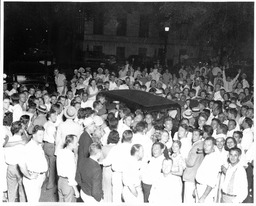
40,119
67,127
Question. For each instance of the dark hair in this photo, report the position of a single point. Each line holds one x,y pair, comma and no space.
48,115
224,128
158,143
208,130
140,126
37,128
203,115
248,121
232,120
69,139
113,123
213,140
236,149
55,107
15,98
233,139
24,119
16,127
127,136
199,130
90,81
100,95
239,133
81,113
233,111
96,103
135,148
217,120
113,137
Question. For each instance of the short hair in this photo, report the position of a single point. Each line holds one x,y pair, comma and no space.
94,148
24,119
167,119
239,133
127,115
113,137
192,91
16,127
113,123
127,136
125,110
239,151
203,115
199,131
224,128
48,115
184,126
37,128
158,143
208,130
217,120
96,103
100,95
15,97
213,140
248,121
178,142
233,111
55,107
81,113
232,120
140,126
69,139
135,148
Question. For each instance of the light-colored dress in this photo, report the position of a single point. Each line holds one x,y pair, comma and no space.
92,92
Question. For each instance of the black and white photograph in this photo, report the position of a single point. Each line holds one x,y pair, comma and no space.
127,102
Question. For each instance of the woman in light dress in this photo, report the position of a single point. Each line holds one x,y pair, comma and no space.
92,90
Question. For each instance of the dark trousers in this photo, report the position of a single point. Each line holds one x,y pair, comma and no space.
146,191
49,150
249,172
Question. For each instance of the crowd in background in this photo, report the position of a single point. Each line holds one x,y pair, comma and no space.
76,141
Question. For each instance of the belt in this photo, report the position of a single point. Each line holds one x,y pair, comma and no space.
40,173
227,194
63,177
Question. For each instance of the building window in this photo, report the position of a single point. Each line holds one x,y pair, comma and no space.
120,52
98,49
144,26
98,24
121,26
142,52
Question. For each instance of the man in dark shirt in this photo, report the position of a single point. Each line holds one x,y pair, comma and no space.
89,175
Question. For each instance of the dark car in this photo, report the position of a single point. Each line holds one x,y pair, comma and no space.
145,101
30,74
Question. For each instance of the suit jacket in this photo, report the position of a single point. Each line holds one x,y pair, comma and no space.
84,143
89,177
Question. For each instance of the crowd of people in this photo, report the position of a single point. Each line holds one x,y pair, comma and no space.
78,142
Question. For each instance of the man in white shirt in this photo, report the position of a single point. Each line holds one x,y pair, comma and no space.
67,127
17,110
234,187
34,165
205,184
231,127
228,83
49,147
244,81
112,83
12,154
248,137
60,81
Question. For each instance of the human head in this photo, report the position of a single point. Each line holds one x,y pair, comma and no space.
38,133
137,151
95,150
167,166
238,135
157,149
231,124
71,141
209,143
16,128
127,136
230,143
113,137
234,155
196,135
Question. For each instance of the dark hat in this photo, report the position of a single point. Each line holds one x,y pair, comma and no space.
193,103
42,108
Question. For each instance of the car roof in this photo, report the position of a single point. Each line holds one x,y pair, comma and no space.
136,99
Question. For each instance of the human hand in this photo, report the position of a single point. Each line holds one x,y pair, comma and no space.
223,169
239,70
77,194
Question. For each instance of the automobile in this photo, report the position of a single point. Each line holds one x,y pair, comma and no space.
138,60
30,74
145,101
